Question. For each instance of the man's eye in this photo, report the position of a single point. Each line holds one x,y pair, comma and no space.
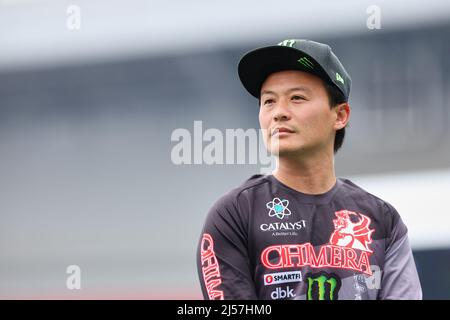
297,98
268,101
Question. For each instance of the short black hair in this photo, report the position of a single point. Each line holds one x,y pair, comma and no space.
336,97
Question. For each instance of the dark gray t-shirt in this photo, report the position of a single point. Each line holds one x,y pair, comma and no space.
265,240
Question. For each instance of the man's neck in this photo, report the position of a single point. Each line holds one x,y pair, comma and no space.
313,175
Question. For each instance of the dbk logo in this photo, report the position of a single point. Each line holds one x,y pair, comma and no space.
282,294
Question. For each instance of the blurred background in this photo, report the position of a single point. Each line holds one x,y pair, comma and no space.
91,92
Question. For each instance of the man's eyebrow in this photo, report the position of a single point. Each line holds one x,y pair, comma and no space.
267,92
301,88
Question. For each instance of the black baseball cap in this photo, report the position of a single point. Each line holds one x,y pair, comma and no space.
294,54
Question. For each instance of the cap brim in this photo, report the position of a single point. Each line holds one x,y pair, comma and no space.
256,65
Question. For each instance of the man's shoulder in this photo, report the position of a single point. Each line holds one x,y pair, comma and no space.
231,198
379,210
351,189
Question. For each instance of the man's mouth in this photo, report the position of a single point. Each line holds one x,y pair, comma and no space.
281,131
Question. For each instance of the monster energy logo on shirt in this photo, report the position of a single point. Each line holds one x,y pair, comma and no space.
322,286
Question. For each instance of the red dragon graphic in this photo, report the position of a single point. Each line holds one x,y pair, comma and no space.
356,235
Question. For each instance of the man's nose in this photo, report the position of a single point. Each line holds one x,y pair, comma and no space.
281,111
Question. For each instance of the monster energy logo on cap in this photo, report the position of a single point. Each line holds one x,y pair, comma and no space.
293,54
304,61
322,286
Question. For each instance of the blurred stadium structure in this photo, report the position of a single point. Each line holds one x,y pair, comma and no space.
86,118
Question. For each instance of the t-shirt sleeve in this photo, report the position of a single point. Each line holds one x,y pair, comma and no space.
400,280
222,258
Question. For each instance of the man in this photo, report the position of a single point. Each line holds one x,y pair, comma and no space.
300,232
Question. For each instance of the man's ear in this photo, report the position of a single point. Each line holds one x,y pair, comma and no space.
342,115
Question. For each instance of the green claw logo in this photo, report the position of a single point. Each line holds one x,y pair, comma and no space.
306,63
322,286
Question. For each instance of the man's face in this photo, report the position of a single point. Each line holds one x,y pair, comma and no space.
298,103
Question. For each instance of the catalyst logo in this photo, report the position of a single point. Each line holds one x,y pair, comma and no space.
282,277
278,208
283,228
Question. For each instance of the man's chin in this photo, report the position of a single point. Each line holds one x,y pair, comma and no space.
286,152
